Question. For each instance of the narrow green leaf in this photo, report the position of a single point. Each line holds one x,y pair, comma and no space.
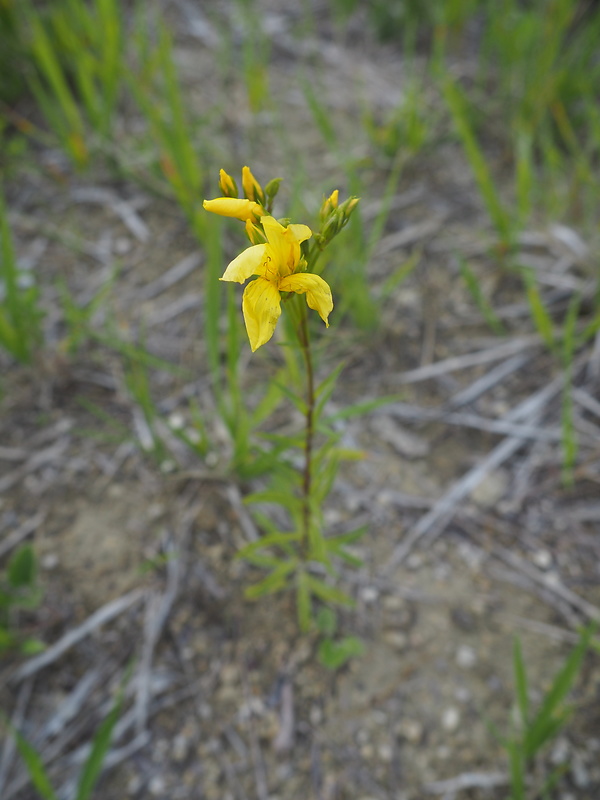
274,582
303,602
517,771
325,389
400,274
21,568
100,746
550,711
299,402
271,540
540,316
334,654
521,682
347,538
327,593
280,498
327,621
458,107
358,409
474,287
35,765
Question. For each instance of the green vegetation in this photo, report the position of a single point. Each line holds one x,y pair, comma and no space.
18,590
533,731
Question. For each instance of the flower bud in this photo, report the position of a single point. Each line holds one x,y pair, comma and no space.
234,207
252,188
254,233
272,188
348,207
227,185
329,205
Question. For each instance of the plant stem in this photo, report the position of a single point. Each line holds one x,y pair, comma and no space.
308,442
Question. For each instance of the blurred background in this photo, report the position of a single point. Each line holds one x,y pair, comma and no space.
135,424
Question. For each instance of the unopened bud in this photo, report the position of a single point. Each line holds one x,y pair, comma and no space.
254,233
252,188
227,184
329,204
272,188
348,207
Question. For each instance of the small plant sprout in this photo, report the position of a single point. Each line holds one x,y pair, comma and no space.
281,265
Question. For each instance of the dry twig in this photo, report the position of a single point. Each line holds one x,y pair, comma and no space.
98,618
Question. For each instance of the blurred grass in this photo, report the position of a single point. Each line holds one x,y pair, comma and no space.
533,94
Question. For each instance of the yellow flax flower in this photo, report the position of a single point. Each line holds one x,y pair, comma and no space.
276,264
234,207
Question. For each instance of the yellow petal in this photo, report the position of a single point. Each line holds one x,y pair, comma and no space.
274,230
318,293
249,262
234,207
300,232
261,305
280,249
284,244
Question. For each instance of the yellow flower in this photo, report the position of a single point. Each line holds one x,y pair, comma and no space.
276,263
234,207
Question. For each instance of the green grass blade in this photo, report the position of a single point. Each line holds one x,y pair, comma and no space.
516,771
100,746
544,725
521,687
485,308
540,316
485,182
35,766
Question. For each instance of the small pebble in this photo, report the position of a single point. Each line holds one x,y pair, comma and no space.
560,751
176,421
367,751
579,772
451,719
409,729
134,784
49,561
180,747
542,559
385,753
491,489
414,561
229,674
466,657
462,694
157,785
362,736
392,602
121,245
378,717
369,594
396,639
